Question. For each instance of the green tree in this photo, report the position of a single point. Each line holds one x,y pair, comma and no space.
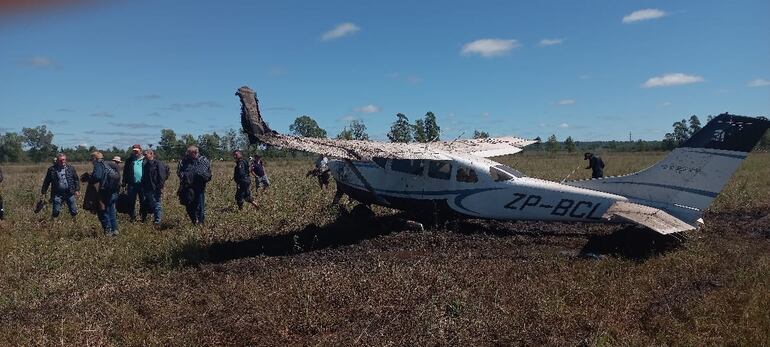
356,130
432,130
11,147
681,132
307,127
345,134
418,131
552,145
569,144
209,145
477,134
400,130
694,125
168,146
39,141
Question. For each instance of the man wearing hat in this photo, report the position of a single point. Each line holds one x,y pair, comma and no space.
132,179
116,159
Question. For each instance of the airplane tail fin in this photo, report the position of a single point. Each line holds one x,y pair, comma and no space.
686,182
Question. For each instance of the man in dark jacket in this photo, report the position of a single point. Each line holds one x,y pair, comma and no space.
596,164
242,180
194,172
65,187
106,176
132,179
154,176
2,208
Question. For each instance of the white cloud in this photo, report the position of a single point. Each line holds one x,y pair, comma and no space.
39,62
667,103
367,109
490,47
564,125
646,14
759,82
550,42
672,79
566,102
341,30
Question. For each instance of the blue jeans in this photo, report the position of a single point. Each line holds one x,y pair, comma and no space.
134,189
152,204
108,217
196,208
59,199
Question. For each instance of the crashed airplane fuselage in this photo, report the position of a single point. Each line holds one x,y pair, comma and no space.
458,178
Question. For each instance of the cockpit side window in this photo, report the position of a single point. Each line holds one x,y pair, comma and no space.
499,175
439,169
510,171
467,175
414,167
380,161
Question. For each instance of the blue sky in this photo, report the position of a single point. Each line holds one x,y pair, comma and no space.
115,73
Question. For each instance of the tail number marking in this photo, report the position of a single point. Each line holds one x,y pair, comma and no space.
565,207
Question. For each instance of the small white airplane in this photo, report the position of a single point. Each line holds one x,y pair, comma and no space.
457,179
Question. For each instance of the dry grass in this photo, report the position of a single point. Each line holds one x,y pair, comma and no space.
290,274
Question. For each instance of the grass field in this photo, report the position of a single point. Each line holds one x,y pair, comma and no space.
290,274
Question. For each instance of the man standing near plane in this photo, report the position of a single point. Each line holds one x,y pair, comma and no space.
242,180
65,186
154,176
596,164
132,178
194,172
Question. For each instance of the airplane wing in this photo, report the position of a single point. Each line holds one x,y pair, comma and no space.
353,149
488,147
653,218
259,131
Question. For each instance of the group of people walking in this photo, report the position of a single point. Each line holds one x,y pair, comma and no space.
110,190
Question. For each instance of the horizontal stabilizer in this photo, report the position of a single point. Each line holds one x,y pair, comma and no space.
653,218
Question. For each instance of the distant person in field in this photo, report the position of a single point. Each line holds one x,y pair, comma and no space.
62,178
321,171
154,176
595,163
242,180
116,159
194,172
132,179
258,169
2,208
106,177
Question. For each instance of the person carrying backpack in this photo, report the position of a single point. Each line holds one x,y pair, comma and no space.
106,178
154,176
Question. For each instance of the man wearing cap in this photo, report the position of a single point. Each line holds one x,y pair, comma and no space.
132,179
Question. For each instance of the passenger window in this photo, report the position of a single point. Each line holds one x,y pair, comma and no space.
380,161
439,169
499,175
466,175
414,167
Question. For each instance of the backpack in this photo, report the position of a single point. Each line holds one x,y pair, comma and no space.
111,177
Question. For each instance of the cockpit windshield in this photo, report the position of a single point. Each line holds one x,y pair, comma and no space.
500,173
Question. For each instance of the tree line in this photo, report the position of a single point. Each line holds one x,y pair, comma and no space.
36,144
